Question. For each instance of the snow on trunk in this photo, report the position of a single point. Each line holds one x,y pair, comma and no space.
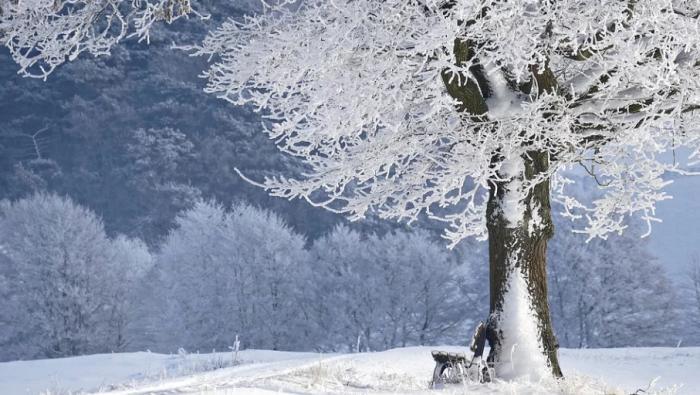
522,352
512,204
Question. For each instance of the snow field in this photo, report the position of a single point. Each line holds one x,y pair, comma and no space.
402,371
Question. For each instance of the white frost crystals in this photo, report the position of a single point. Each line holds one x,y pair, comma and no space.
355,89
43,34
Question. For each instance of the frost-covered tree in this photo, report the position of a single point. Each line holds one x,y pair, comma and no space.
424,299
8,326
192,268
466,110
610,293
130,261
231,272
385,291
461,109
68,282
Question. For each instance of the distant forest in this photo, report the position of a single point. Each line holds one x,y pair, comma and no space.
134,137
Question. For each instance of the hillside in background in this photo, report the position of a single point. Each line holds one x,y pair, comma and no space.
134,137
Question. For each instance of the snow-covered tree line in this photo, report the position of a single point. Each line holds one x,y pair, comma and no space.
244,272
67,288
71,290
387,291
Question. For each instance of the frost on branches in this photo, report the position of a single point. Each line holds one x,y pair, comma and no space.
467,110
42,34
410,106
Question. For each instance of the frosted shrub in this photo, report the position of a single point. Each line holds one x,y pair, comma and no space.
69,283
228,272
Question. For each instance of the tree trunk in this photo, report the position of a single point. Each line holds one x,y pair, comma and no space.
518,234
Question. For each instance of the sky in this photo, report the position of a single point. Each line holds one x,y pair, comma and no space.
677,238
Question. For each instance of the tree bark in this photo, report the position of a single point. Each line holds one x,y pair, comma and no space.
521,246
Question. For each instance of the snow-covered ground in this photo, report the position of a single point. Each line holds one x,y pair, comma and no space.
407,370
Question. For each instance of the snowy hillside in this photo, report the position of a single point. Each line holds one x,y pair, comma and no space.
408,370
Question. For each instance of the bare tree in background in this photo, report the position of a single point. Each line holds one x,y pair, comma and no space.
693,298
